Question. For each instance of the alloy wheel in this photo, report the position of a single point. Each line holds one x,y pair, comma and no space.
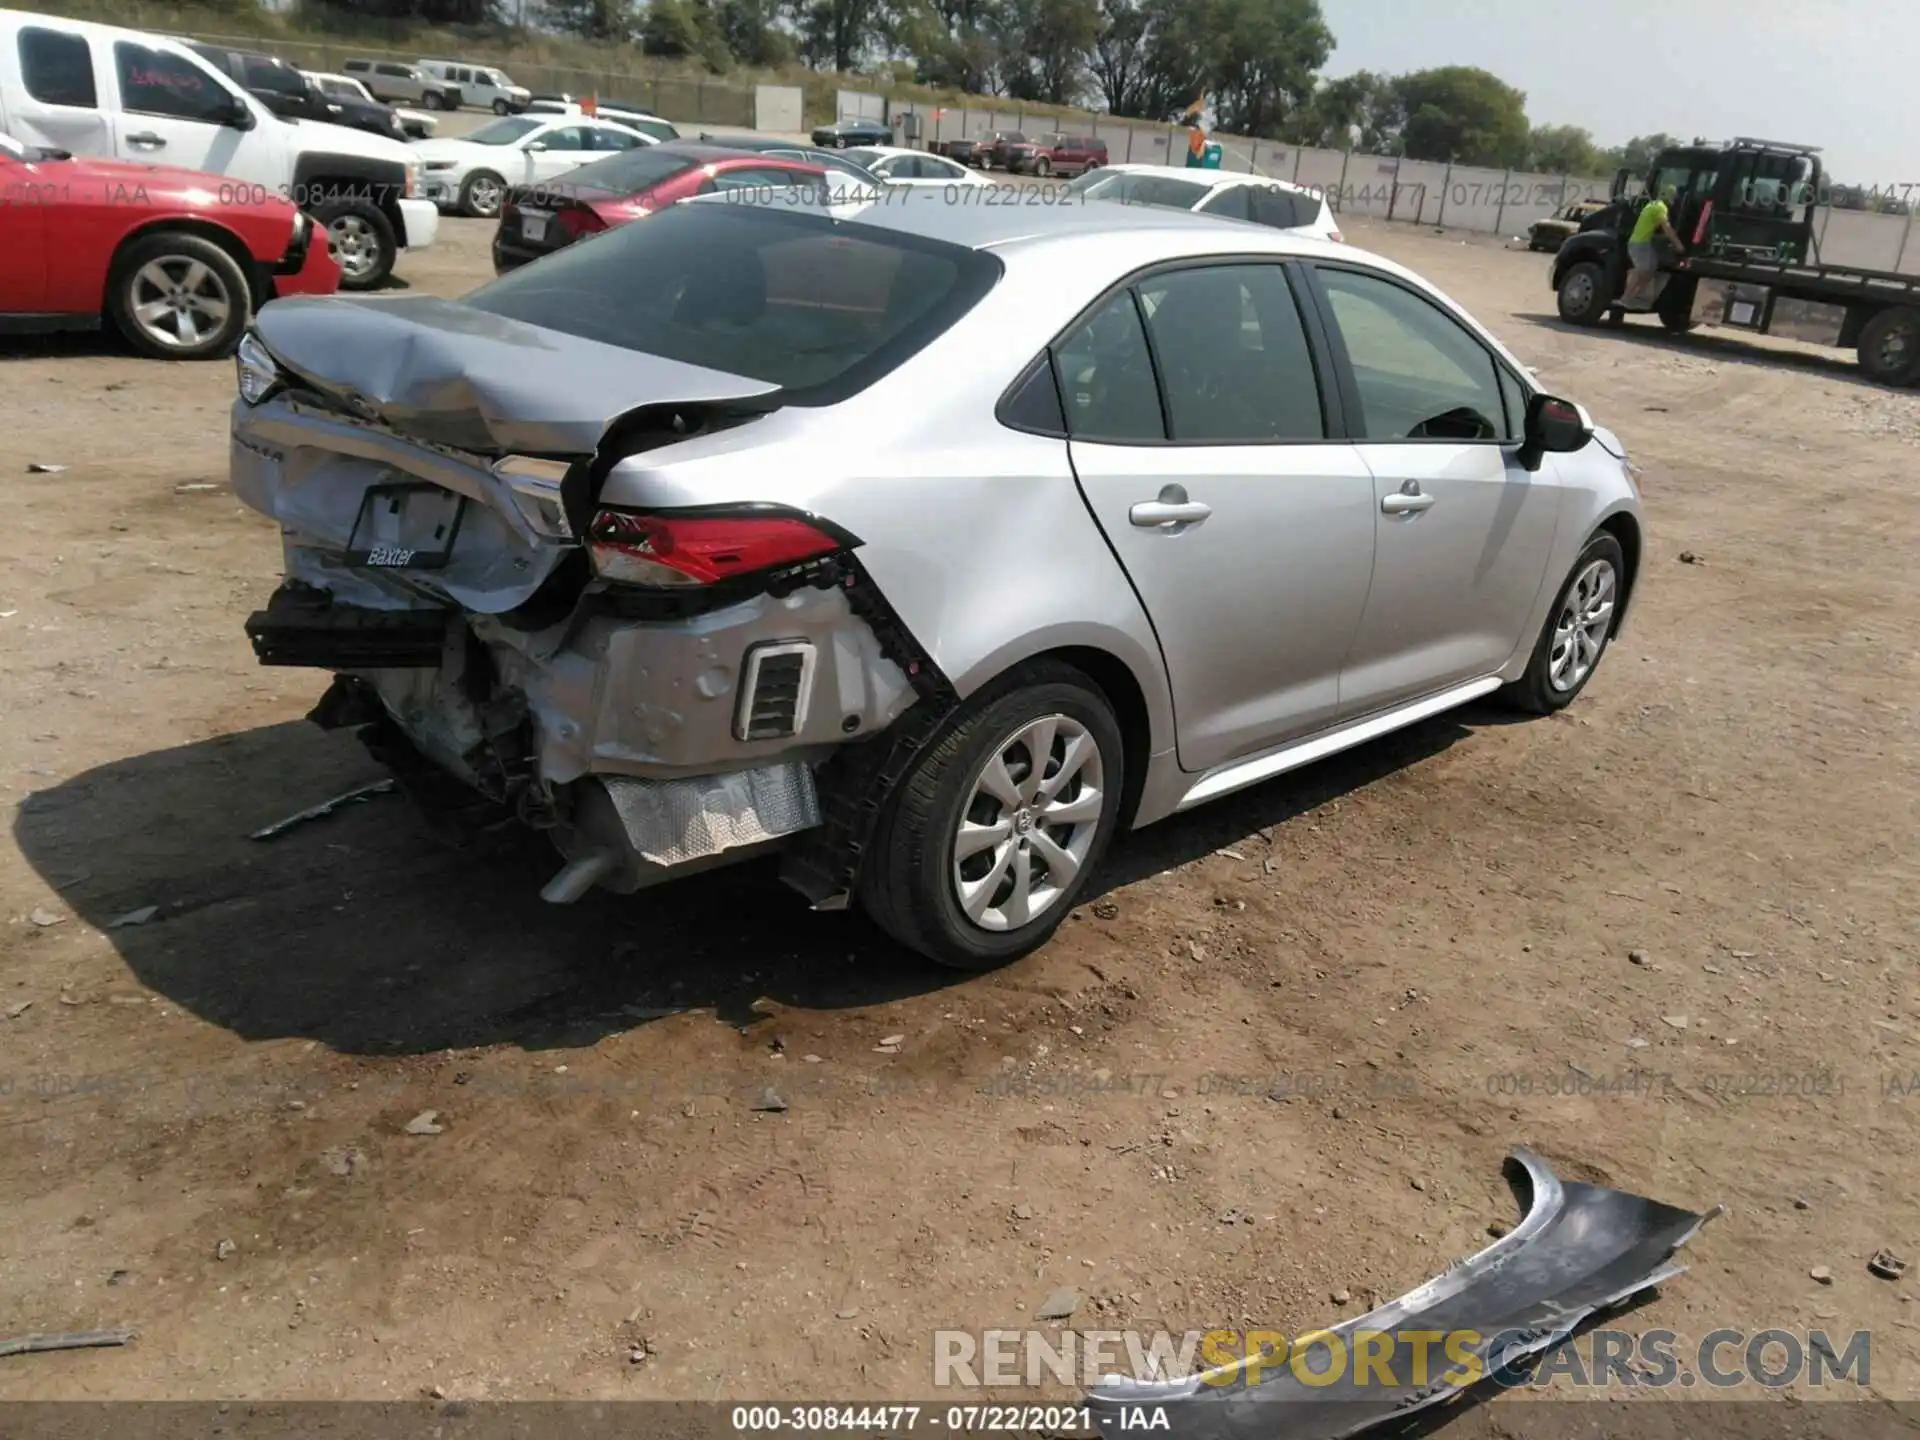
1031,817
1580,633
355,245
178,301
483,196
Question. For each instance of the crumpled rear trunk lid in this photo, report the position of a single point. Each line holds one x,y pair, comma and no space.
383,461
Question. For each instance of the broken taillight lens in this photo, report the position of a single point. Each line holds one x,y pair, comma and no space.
668,548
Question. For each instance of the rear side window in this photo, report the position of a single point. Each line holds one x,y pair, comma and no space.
1279,208
405,71
794,299
1162,191
1230,201
1106,376
57,68
156,82
1232,354
264,75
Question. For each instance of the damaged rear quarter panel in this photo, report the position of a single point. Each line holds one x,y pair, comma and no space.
976,534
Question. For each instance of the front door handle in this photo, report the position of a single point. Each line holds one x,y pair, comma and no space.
1408,500
1172,511
147,140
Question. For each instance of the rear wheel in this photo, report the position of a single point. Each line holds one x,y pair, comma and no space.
1889,347
481,194
1583,296
363,241
990,838
1577,630
179,297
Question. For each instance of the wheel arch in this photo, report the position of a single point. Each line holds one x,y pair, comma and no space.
1594,245
1625,528
1140,706
200,228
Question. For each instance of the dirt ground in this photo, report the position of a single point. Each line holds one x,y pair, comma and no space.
1331,1004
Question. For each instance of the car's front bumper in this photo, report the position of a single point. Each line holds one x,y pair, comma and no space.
441,188
421,220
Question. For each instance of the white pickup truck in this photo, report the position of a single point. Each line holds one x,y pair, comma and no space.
100,90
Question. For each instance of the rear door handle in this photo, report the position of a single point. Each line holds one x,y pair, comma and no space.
147,139
1405,502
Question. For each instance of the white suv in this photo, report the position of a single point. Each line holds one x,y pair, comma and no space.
100,90
480,85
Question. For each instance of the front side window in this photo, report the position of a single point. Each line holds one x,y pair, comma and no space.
157,82
57,68
261,75
1233,357
1422,375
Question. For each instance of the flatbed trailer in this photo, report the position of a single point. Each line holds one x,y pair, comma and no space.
1747,208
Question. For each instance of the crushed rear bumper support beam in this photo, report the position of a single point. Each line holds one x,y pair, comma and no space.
1581,1251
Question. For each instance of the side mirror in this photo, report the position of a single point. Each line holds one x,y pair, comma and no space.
535,145
1553,427
239,115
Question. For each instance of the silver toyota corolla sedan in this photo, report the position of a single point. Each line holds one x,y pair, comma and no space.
924,543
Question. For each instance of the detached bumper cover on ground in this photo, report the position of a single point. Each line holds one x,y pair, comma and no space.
1580,1251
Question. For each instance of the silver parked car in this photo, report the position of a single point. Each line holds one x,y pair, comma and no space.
927,545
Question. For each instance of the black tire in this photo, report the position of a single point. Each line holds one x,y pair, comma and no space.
373,238
1889,347
906,884
132,283
500,107
1583,295
839,142
1536,691
434,100
473,193
1043,167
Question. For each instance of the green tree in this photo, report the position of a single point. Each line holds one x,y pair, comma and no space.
954,43
1344,114
1637,154
1119,61
1563,150
1267,58
1045,46
674,27
1462,114
747,31
838,34
590,19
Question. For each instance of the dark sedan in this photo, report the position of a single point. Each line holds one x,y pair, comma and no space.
853,130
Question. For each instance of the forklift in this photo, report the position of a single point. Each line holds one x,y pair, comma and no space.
1745,210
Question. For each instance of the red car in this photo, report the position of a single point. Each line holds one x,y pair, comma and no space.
1057,155
536,220
176,260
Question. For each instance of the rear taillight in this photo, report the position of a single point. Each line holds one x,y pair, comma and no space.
707,547
579,222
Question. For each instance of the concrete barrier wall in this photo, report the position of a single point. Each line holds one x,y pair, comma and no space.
861,104
779,108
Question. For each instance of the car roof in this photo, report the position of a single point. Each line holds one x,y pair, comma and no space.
1214,178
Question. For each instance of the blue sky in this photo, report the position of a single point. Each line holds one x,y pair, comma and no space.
1839,74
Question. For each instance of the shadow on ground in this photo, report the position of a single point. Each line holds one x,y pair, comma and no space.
360,932
1732,348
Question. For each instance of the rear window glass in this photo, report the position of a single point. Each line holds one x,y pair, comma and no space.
629,172
813,305
1158,190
